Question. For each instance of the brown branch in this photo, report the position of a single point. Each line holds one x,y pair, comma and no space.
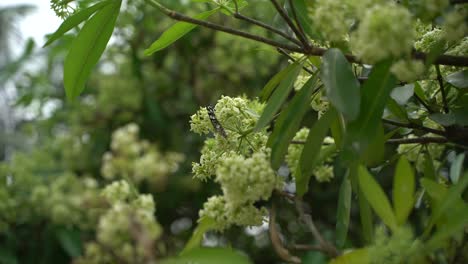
420,140
290,23
275,238
414,126
312,51
180,17
265,26
457,2
327,248
442,89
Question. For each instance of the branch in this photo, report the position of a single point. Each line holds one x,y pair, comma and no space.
450,60
290,23
415,126
420,140
293,9
265,26
180,17
442,89
282,252
455,2
328,248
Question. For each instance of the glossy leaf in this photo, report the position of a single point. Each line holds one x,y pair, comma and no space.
74,20
277,98
175,32
373,155
303,17
375,93
210,256
403,190
341,86
311,150
456,168
458,79
289,121
358,256
87,48
343,212
204,224
376,197
402,94
276,79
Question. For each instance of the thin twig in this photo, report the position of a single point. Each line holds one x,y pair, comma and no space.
421,101
293,10
290,23
420,140
312,51
292,59
275,238
263,25
328,248
414,126
442,89
180,17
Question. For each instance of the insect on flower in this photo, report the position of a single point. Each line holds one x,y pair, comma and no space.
214,121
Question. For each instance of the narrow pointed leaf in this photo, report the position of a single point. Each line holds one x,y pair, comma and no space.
74,20
366,216
311,150
341,86
403,190
277,99
375,93
458,79
343,212
456,168
175,32
204,224
209,255
289,121
87,48
358,256
275,80
376,197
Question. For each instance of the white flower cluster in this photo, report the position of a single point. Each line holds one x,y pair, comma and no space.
322,172
408,70
128,227
238,117
137,159
384,32
240,163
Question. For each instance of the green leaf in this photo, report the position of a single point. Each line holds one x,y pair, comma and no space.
429,170
343,212
456,168
275,80
341,86
457,116
302,12
402,94
204,224
175,32
311,150
374,153
337,129
448,201
289,121
358,256
277,98
403,190
458,79
8,256
210,256
435,190
376,198
70,240
74,20
88,47
457,222
396,109
375,93
366,217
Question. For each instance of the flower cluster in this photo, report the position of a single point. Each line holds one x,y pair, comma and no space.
384,32
408,70
61,8
398,248
240,163
322,172
128,228
137,159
